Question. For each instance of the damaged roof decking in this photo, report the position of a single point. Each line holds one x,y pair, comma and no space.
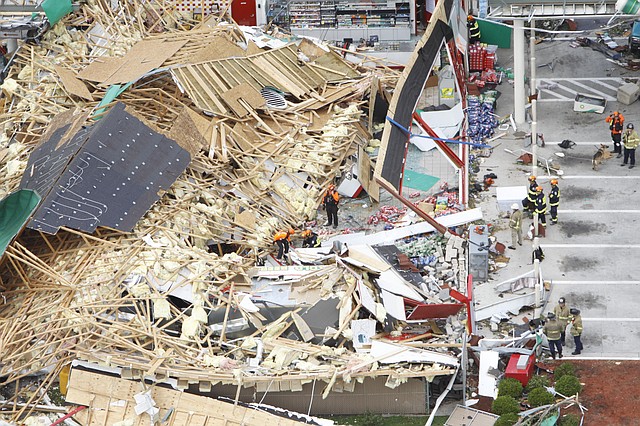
108,174
215,86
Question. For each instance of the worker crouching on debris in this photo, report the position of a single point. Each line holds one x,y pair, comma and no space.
310,239
576,330
616,126
630,140
552,330
283,240
330,203
474,29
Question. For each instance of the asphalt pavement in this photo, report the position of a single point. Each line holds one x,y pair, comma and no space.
592,256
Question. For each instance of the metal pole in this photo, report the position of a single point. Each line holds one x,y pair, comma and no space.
518,71
536,274
532,52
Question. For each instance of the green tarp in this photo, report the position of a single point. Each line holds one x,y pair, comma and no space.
15,211
418,181
492,33
56,9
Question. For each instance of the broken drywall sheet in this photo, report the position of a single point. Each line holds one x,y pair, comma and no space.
446,124
390,353
489,372
362,331
394,305
108,174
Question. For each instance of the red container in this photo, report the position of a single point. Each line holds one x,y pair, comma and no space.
524,373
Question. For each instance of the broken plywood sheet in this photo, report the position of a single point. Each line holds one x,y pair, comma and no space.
144,56
220,48
111,399
189,130
333,67
242,98
72,84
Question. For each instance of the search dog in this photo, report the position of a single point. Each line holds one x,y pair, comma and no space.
602,154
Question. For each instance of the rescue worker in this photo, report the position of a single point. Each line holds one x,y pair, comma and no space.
283,240
552,330
541,206
554,200
330,203
562,315
532,194
310,239
576,330
616,125
515,223
474,29
630,140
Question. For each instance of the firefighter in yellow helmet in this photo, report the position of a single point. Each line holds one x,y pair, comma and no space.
554,200
310,239
283,240
474,29
541,206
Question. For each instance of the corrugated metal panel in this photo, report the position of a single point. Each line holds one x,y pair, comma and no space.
370,396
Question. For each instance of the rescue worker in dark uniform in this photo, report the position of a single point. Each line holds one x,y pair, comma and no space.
283,240
474,29
554,200
616,125
552,329
532,195
330,203
310,239
541,206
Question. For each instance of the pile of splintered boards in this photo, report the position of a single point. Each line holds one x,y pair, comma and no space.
132,140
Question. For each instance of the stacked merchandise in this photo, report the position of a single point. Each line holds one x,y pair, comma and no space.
482,120
477,56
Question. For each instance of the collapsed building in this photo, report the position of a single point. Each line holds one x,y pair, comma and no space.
148,161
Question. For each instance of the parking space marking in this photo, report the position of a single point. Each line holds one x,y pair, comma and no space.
597,86
569,282
580,246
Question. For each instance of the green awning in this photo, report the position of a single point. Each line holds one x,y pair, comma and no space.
56,9
15,210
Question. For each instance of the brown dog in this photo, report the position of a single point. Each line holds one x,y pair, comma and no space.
602,154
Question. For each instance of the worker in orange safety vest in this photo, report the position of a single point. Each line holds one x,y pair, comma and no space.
283,240
330,204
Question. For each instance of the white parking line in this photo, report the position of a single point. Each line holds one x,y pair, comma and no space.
612,319
581,246
585,282
599,211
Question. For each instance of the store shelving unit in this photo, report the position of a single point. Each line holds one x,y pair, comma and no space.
356,20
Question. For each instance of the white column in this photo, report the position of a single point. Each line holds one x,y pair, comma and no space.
532,53
534,143
538,295
518,71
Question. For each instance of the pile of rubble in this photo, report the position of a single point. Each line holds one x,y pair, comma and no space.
165,153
